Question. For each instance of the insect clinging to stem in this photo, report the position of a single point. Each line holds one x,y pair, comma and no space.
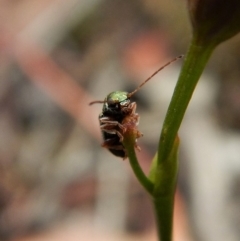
118,114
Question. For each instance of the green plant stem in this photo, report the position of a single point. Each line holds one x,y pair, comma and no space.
165,178
192,69
163,207
163,172
161,183
129,143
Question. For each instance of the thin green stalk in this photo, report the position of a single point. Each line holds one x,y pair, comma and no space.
129,143
162,191
192,69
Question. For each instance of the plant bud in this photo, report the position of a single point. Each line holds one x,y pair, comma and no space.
214,21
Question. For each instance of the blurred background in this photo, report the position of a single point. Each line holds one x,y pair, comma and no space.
57,183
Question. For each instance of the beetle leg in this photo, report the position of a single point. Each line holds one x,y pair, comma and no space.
111,128
120,136
114,131
106,120
109,124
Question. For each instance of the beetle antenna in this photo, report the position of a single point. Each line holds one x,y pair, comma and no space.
97,102
140,86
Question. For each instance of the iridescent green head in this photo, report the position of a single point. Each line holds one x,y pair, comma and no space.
116,97
114,101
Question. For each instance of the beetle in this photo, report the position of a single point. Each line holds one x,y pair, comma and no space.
118,114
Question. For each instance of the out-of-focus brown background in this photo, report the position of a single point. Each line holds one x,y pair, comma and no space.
56,182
